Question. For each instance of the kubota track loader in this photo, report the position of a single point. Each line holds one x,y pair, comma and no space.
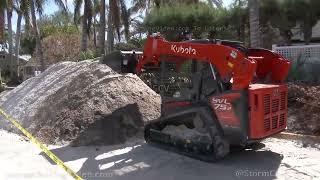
214,94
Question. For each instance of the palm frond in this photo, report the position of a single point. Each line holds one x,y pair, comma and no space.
217,3
138,5
96,6
62,6
39,5
23,7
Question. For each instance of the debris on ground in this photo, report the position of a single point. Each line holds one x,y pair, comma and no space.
83,103
304,107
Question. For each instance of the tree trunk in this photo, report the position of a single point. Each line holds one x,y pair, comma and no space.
102,28
307,32
18,33
10,40
37,35
255,40
84,37
94,33
110,37
2,16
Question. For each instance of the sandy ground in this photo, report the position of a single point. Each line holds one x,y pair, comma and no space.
279,159
19,159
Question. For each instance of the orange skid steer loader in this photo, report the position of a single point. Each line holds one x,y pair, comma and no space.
215,93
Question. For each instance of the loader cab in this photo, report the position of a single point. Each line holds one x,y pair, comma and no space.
187,80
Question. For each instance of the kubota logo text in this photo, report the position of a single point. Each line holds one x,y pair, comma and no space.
183,50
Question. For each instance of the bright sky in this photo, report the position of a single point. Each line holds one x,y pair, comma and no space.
51,7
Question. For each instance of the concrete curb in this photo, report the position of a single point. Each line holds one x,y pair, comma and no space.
299,137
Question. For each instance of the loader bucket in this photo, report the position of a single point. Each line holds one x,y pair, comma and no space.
270,66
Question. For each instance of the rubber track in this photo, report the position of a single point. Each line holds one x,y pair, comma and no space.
212,152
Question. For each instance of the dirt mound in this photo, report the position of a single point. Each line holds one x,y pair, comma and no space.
85,102
304,107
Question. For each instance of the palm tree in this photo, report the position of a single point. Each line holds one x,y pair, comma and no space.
254,23
119,15
113,22
22,9
110,35
37,34
86,20
10,37
36,6
126,19
97,8
1,24
102,28
96,12
10,6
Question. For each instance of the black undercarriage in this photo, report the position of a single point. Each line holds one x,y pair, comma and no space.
194,134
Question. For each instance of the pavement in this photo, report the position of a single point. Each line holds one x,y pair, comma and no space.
135,160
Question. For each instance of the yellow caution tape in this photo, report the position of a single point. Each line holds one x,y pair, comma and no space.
52,156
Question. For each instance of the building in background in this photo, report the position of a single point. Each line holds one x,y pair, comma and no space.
298,36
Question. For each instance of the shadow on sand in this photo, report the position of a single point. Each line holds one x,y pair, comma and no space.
139,161
143,162
112,128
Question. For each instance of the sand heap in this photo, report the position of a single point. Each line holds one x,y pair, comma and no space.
84,102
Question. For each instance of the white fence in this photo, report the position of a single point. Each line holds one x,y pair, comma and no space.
294,52
305,61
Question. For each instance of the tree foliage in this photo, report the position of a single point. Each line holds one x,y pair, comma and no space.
58,23
132,44
172,21
172,18
286,14
199,19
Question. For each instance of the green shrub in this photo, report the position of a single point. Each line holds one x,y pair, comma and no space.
87,55
297,71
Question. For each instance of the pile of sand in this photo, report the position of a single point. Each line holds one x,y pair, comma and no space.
84,102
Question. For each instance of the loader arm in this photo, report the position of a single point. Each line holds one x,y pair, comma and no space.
229,62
